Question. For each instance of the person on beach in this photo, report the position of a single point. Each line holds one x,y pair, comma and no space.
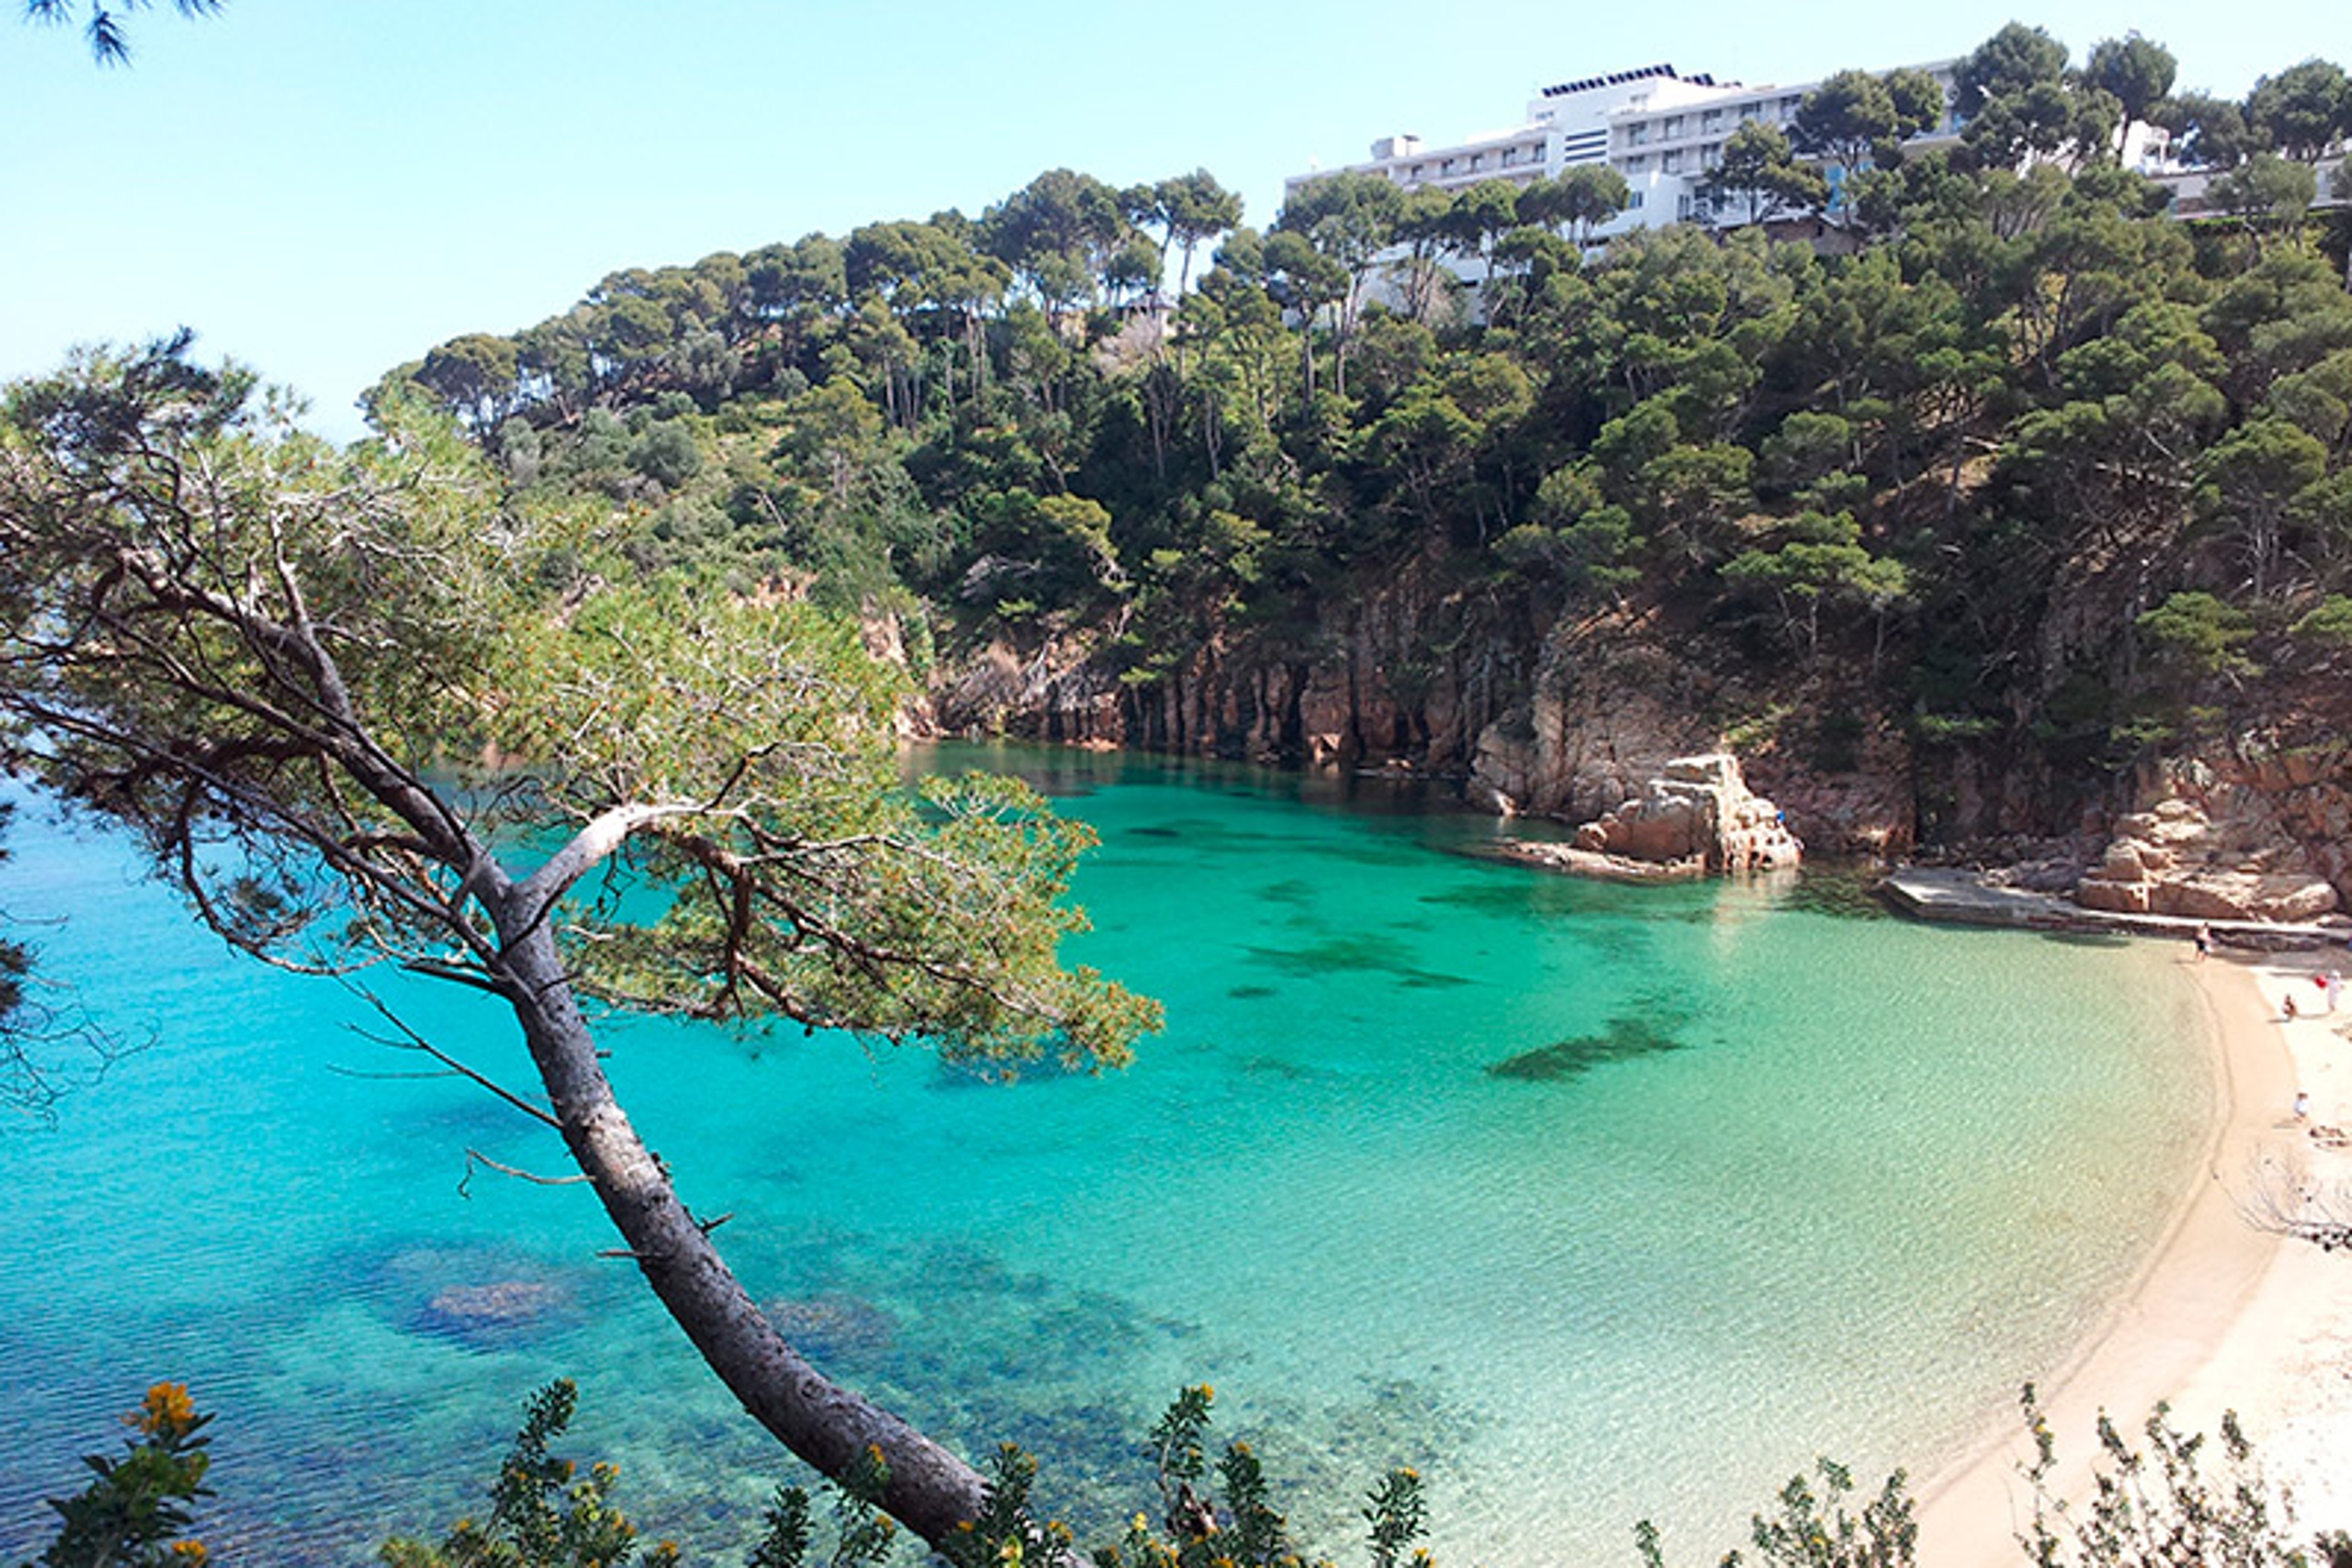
2302,1105
2287,1006
2204,941
2334,986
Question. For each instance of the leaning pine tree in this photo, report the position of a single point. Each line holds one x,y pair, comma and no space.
333,696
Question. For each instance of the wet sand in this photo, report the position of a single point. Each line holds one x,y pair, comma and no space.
2226,1316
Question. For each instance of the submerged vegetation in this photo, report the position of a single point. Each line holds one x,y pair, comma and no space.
1621,1039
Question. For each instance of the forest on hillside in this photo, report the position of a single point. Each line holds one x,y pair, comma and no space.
1979,436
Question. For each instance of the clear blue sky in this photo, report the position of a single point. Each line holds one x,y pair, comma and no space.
326,188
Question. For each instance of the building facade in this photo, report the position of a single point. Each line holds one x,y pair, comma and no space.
1663,131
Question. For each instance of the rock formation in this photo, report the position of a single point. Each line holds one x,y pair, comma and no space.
1698,809
2224,842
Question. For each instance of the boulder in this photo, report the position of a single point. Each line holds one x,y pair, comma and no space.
2177,859
1697,808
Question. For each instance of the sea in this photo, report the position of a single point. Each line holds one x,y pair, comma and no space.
1590,1204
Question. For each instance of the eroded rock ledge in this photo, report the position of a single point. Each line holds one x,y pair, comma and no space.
1697,808
1698,816
2215,847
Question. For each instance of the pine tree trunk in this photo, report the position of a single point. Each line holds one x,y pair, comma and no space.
931,1490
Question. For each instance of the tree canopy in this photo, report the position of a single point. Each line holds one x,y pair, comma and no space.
103,27
348,711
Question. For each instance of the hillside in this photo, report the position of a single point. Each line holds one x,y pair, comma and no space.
1974,510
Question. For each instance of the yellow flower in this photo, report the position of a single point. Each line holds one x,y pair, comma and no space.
167,1411
193,1552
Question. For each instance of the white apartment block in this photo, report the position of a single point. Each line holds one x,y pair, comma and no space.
1660,129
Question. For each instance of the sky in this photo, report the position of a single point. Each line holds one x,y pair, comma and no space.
325,189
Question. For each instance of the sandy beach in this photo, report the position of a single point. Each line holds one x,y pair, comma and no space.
2226,1316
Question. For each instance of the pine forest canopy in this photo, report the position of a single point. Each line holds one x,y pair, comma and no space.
2026,401
2019,468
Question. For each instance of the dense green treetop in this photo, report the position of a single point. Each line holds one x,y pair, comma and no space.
2014,391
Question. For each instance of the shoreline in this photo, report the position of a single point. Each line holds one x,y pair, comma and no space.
2222,1316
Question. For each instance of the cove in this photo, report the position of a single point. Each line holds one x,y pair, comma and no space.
1593,1203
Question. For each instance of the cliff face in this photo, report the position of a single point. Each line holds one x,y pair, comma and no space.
1412,670
1573,719
1569,719
2255,836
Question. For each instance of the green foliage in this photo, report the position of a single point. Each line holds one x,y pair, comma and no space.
2201,633
135,1512
104,29
543,1514
2160,1505
2023,379
1813,1528
2329,625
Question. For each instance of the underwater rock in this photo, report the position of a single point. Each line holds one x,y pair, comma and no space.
496,1313
834,1326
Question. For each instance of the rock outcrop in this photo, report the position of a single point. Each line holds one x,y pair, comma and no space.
1698,809
2212,846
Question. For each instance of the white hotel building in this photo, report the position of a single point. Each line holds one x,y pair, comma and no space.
1659,128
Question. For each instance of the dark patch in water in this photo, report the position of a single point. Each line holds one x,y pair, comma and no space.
1251,993
1841,892
1621,1039
1287,1071
1512,890
1366,954
835,1327
483,1297
1047,1069
1297,892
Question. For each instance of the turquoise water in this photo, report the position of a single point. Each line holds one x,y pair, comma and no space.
1762,1182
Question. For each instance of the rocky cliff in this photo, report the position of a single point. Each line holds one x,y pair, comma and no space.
2265,836
1572,719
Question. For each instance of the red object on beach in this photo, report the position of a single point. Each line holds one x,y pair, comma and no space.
2320,981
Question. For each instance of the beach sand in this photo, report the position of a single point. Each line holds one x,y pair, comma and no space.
2226,1316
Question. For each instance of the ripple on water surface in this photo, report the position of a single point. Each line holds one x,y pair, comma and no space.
1593,1203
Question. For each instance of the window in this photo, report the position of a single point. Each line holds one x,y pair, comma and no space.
1636,134
1710,156
1473,163
1632,200
1672,162
1671,128
1637,164
1749,112
1710,123
1790,105
1511,156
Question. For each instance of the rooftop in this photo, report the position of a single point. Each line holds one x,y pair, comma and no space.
1640,73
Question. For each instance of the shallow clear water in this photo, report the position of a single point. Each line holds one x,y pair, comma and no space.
1762,1182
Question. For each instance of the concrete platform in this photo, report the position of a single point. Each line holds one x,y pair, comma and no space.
1963,897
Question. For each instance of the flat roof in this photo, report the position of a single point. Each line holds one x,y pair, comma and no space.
1640,73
